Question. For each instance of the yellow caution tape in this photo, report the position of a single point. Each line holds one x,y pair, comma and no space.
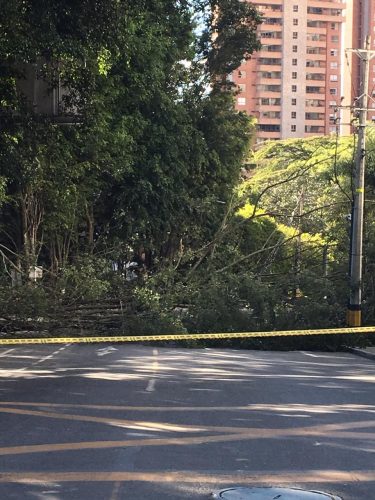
187,336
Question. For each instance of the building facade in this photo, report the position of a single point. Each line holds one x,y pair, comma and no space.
303,71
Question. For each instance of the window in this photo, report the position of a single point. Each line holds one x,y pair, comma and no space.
333,65
333,91
295,8
310,89
294,62
271,114
295,35
242,74
333,26
293,128
270,101
294,102
295,22
334,52
242,87
268,127
294,88
334,38
295,48
314,129
294,75
294,114
332,103
333,78
269,88
241,101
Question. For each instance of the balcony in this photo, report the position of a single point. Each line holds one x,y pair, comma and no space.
271,88
269,127
270,101
264,116
314,129
316,65
312,105
314,117
318,25
316,37
267,49
315,77
264,67
316,89
273,21
328,4
272,122
326,17
270,35
261,108
315,51
268,135
269,61
270,10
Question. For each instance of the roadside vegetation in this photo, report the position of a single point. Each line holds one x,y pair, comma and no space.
139,207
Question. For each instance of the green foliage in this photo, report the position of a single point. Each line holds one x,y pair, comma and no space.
230,302
26,303
230,35
150,170
150,149
85,279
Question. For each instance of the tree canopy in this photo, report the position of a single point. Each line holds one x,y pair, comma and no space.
148,146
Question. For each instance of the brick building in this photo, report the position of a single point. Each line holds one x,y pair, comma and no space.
302,72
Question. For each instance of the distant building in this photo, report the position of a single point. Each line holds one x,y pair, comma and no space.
293,84
44,94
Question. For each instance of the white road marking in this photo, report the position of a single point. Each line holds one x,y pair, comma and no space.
105,350
6,352
151,386
50,356
155,367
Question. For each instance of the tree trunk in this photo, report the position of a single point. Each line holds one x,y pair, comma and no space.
31,216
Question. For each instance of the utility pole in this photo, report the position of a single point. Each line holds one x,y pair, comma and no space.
298,252
354,308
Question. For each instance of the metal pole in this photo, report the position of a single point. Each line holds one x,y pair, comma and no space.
354,309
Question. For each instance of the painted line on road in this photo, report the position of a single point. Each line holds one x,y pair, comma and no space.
116,491
187,336
151,385
50,356
251,434
353,429
7,352
155,367
302,476
291,408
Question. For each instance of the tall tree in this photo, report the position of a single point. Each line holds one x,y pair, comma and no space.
149,148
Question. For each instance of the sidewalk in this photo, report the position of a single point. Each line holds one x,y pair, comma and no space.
365,352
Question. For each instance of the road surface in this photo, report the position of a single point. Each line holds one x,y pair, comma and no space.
136,422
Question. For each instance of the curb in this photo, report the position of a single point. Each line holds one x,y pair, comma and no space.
361,352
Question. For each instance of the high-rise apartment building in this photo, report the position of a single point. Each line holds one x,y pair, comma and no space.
303,71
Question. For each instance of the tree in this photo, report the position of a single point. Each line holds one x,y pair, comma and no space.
150,149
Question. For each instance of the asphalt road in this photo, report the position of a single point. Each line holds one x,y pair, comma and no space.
117,422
